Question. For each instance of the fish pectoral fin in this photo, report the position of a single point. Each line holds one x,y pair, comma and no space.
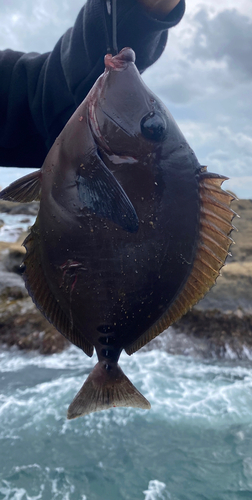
106,387
102,194
24,190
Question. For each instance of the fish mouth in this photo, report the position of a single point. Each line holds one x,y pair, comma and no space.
120,61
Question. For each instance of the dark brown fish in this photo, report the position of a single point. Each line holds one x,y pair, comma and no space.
131,230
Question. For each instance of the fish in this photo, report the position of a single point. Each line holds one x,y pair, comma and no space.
131,231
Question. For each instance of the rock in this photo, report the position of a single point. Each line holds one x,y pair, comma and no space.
242,249
177,342
208,333
233,290
21,324
19,208
11,284
14,258
224,333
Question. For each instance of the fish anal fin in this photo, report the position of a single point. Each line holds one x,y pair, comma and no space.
213,246
106,387
24,190
42,296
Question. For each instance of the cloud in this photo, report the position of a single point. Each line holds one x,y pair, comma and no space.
212,54
241,186
220,148
240,140
226,37
204,78
35,26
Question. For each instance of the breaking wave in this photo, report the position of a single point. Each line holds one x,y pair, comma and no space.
193,444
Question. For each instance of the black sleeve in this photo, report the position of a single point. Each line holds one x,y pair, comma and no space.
39,92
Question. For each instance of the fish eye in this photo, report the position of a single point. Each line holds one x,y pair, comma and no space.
154,126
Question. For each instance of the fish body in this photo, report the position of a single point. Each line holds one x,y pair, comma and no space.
131,230
118,275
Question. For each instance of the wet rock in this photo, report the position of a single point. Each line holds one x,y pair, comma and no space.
224,333
14,258
242,250
208,334
19,208
21,324
11,284
177,342
233,290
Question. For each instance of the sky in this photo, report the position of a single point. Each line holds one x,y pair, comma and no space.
204,75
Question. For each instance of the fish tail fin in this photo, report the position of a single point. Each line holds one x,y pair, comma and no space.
106,387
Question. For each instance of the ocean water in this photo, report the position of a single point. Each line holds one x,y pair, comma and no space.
14,225
194,444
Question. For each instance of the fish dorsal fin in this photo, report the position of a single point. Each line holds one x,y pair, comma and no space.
24,190
213,245
42,296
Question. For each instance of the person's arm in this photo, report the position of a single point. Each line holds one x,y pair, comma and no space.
159,8
39,93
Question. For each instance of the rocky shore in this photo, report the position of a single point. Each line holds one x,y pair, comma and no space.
220,325
21,324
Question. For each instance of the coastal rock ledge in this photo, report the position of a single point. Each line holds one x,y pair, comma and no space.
220,325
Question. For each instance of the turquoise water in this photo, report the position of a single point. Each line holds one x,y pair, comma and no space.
194,444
